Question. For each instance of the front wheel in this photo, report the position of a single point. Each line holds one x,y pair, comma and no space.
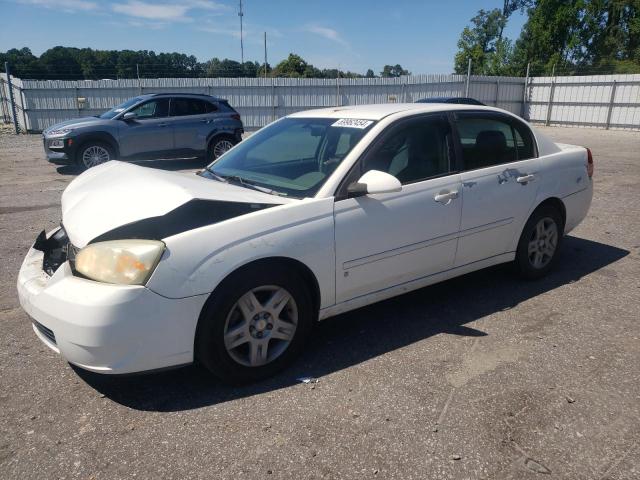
254,324
92,154
539,243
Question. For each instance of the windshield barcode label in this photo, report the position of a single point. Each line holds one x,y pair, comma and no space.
352,123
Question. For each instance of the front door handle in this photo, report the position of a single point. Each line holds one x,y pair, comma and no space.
163,124
525,178
204,120
445,196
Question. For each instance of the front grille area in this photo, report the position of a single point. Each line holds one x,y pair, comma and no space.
48,333
55,248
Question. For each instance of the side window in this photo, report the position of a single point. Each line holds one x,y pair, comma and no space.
414,152
524,142
181,107
488,141
152,109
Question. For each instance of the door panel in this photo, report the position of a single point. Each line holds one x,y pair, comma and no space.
495,208
498,190
192,123
388,239
148,135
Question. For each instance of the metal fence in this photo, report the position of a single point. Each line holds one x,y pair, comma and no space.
603,101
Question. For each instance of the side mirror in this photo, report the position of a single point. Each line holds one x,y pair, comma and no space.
374,181
129,116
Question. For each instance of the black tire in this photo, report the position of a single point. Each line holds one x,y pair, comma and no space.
219,145
525,261
93,144
210,348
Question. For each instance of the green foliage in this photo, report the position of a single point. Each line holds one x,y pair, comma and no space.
561,36
393,71
68,63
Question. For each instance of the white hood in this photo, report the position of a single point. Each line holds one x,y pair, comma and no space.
118,193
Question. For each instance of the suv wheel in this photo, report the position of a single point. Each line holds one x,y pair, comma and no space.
219,146
92,154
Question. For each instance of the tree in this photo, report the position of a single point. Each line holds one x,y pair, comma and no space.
481,42
370,74
393,71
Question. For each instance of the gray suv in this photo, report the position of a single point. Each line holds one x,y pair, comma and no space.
162,125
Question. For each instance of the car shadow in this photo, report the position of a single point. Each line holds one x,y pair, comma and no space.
354,337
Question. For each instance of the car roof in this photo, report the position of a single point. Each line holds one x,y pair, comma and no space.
183,94
380,111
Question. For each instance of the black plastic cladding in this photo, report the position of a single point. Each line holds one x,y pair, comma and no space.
193,214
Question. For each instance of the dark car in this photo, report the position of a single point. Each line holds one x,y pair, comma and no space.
457,100
162,125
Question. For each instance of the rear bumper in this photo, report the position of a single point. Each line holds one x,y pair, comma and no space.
107,328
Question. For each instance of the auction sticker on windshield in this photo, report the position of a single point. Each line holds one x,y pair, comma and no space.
352,123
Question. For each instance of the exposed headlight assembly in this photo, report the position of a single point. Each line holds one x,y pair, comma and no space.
125,262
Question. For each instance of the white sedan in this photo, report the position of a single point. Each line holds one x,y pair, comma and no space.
321,212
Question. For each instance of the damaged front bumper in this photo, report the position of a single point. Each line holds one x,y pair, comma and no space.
101,327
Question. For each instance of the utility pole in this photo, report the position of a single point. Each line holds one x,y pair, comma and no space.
241,14
265,54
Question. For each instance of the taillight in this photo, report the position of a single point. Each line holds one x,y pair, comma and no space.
589,163
236,116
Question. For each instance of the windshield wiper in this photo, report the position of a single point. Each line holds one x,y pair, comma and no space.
247,183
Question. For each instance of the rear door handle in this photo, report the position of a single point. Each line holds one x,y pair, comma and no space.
163,124
204,120
525,178
445,196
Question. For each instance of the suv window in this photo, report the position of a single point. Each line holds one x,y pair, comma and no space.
492,140
152,109
414,152
181,107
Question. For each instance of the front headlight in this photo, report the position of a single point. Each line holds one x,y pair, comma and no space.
58,133
128,262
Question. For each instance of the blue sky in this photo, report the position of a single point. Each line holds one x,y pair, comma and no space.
348,34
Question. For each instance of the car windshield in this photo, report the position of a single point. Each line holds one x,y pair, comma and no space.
120,108
293,156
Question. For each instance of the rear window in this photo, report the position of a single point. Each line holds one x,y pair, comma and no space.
190,106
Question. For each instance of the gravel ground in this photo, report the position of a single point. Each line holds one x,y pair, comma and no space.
484,376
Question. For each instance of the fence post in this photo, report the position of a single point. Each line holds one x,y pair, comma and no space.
338,102
466,88
11,99
611,100
550,104
273,100
3,102
497,91
24,110
525,91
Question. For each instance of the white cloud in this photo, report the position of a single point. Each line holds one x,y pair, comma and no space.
326,32
67,5
165,12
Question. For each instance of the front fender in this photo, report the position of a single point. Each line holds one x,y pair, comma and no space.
196,261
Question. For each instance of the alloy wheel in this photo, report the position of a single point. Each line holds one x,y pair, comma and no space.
95,155
543,243
221,147
260,326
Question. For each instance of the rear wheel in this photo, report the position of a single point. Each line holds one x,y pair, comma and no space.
219,146
254,324
539,242
92,154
